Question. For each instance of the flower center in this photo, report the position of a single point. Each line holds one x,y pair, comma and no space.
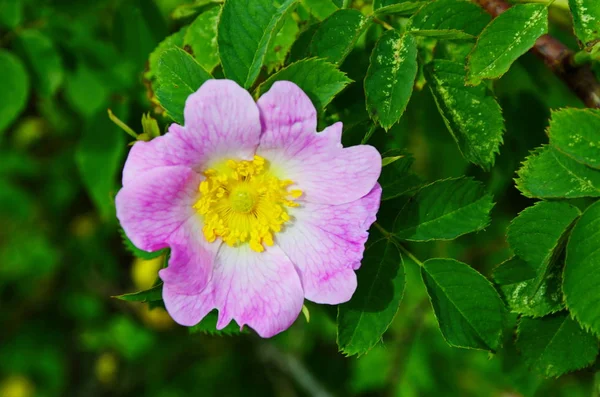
241,201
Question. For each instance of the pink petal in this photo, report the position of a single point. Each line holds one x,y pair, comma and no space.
156,204
319,165
326,244
261,290
221,120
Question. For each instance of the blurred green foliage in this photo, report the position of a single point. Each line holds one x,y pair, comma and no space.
63,64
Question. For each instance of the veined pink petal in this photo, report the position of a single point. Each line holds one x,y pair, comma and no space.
326,244
261,290
221,120
319,165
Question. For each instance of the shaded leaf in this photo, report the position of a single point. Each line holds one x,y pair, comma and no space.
281,46
43,60
150,295
172,41
396,177
586,21
576,132
15,89
208,325
138,253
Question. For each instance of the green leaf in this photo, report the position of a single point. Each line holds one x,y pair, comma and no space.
403,9
555,345
396,178
505,39
15,89
201,37
150,295
538,235
586,21
138,253
364,319
548,173
377,4
179,75
208,325
301,47
11,13
471,114
576,132
43,60
444,210
282,44
98,157
246,31
523,293
581,276
172,41
321,9
450,19
336,36
390,78
468,309
319,79
86,92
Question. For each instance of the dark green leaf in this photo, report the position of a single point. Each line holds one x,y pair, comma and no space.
172,41
179,75
363,321
444,210
86,92
576,132
336,36
301,47
319,79
15,90
138,253
505,39
11,13
43,60
471,114
555,345
581,275
396,178
548,173
453,19
586,21
468,309
150,295
390,78
246,30
201,37
208,325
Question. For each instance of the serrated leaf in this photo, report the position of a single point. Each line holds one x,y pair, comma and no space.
396,177
523,293
43,60
444,210
555,345
138,253
201,36
172,41
505,39
548,173
281,46
586,21
581,276
364,319
538,235
576,132
179,75
472,114
150,295
390,78
15,89
319,79
468,309
337,34
246,30
208,325
449,19
403,9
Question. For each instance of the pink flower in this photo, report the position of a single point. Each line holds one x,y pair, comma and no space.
260,211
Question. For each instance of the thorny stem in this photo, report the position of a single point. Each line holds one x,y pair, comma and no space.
559,58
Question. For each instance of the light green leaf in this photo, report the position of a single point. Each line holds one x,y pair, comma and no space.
179,75
548,173
282,44
201,36
336,36
576,132
581,276
505,39
321,9
172,41
364,319
377,4
471,114
245,33
15,89
150,295
523,293
468,309
390,78
319,79
555,345
396,178
586,21
43,60
403,9
444,210
449,19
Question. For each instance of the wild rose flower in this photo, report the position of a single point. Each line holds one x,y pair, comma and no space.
260,211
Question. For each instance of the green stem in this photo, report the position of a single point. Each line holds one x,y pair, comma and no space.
383,23
398,243
581,58
122,125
